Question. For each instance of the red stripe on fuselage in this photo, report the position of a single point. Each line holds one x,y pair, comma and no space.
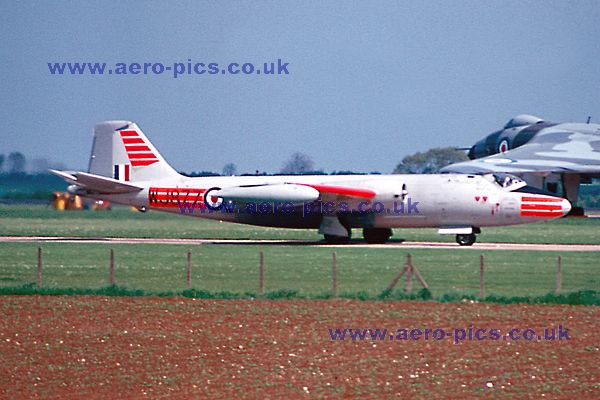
178,204
343,190
176,197
176,189
541,199
541,214
547,207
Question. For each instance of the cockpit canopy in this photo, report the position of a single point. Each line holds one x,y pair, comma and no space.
507,182
522,120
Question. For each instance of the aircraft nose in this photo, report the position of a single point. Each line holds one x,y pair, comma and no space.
543,206
566,206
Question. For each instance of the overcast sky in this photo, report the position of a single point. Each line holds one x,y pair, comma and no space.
368,83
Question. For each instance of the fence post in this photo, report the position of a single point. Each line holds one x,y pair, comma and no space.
409,274
111,271
558,275
261,274
420,278
39,268
481,277
397,278
334,274
189,270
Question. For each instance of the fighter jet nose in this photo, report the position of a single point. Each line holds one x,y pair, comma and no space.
477,150
566,206
471,153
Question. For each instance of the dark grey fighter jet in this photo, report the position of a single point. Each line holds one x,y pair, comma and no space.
557,157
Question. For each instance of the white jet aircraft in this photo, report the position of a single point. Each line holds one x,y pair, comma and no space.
125,168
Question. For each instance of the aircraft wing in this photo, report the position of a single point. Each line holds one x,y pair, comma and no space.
96,183
557,150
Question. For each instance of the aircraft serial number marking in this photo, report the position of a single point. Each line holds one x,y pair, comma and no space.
176,197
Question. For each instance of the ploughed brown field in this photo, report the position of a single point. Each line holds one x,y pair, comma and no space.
128,347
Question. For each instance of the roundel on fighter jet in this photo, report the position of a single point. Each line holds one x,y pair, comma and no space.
503,146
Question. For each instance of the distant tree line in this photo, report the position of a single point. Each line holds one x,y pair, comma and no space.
430,161
15,163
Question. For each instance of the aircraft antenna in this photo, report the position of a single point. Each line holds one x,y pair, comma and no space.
589,118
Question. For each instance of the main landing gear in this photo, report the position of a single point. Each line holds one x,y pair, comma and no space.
335,229
466,239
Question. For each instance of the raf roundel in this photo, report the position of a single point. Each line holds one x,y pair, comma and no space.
503,146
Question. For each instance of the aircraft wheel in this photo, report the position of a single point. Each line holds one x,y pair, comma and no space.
377,235
466,240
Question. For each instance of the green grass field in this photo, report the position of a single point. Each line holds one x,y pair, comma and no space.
234,268
306,269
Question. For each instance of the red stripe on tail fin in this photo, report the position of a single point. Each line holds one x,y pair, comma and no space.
142,163
137,148
141,155
128,133
133,141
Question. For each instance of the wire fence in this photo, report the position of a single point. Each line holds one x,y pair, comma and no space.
401,285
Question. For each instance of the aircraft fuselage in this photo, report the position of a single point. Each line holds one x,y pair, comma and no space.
447,200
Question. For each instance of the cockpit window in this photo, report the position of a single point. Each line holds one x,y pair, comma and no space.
522,120
507,182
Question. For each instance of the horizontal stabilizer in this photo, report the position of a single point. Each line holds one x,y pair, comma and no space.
67,176
96,183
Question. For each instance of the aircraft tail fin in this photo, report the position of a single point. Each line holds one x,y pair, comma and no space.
122,152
